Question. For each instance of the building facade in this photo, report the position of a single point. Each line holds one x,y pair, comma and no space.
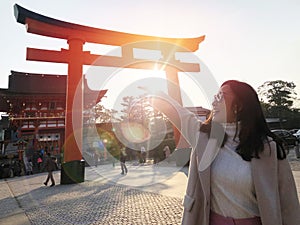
35,105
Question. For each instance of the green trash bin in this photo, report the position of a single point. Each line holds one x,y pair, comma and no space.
72,172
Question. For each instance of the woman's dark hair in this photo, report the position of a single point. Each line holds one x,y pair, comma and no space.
254,130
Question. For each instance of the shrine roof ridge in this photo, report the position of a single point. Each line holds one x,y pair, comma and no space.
13,72
92,34
24,82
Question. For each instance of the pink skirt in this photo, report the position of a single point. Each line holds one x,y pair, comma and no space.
216,219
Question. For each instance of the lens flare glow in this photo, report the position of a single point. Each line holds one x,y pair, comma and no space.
135,132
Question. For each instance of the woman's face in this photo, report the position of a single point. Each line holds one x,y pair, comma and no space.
223,108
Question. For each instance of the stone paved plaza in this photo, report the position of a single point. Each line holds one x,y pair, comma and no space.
101,199
148,194
95,203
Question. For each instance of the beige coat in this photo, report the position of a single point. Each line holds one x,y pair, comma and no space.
273,180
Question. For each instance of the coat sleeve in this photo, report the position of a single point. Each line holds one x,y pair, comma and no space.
289,201
184,120
192,201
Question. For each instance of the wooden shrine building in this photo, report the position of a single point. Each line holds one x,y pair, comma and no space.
36,104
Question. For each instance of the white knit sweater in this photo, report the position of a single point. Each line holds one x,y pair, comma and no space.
232,189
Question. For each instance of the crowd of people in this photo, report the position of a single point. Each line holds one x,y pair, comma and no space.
25,166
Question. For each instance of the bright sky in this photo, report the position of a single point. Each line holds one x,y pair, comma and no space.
252,41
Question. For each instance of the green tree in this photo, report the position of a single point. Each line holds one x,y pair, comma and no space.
278,93
137,109
100,114
129,111
277,98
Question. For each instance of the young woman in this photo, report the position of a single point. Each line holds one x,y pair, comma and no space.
238,169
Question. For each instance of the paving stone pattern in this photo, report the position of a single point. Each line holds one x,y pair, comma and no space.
9,205
94,203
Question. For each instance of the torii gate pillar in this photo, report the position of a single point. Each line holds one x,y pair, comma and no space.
73,165
73,129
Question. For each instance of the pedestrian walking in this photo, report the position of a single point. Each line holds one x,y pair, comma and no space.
39,162
96,158
238,171
167,152
50,166
18,167
123,161
143,154
29,167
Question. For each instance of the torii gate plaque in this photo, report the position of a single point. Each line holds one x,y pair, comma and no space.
76,35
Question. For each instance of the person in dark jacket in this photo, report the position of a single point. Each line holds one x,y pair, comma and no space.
122,161
50,166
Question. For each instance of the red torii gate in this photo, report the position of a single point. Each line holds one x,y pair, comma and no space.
76,35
